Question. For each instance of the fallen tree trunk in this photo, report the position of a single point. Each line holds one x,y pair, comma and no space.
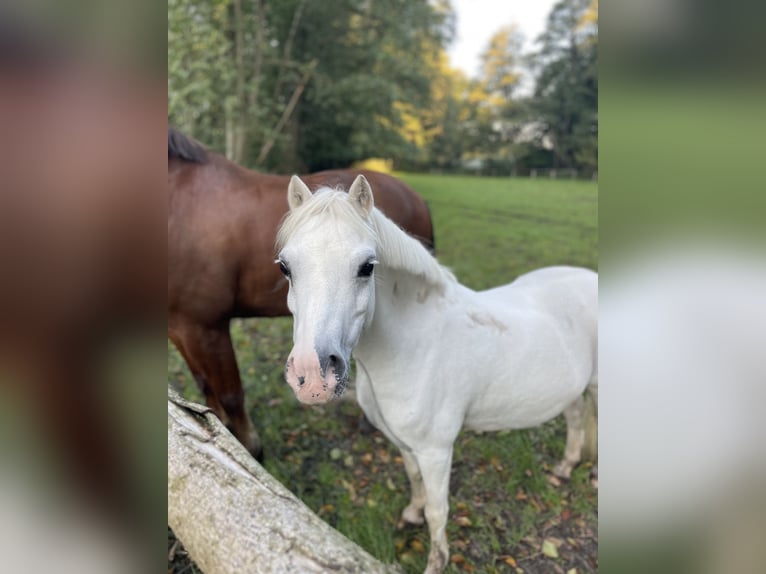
233,517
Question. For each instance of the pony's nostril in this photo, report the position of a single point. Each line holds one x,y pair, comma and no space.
333,360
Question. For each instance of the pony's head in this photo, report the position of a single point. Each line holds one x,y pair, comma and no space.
327,251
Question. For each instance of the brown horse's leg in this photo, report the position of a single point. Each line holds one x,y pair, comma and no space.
209,353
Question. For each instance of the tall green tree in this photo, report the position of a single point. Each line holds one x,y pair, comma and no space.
375,66
299,84
231,78
501,62
566,93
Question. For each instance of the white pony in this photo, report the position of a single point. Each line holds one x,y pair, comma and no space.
432,355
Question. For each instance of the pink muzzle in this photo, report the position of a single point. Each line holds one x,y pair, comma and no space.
311,383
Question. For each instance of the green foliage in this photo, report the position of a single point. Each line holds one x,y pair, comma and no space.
299,85
199,77
373,56
503,504
234,68
500,62
488,121
566,92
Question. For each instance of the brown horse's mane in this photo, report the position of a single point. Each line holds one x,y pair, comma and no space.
184,148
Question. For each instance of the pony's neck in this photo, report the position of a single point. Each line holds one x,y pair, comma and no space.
404,302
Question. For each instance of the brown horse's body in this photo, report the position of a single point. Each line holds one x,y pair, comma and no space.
222,222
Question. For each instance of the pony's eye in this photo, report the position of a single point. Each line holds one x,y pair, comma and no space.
284,269
366,269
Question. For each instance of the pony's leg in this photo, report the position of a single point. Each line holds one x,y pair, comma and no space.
210,355
575,417
435,469
413,512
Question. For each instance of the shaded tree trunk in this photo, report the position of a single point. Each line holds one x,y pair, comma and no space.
233,517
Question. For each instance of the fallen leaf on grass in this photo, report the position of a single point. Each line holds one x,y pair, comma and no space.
463,521
549,549
325,509
457,558
554,480
390,484
531,541
335,453
417,546
510,560
351,490
384,456
460,544
407,558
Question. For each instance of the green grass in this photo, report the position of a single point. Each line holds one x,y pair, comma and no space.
488,231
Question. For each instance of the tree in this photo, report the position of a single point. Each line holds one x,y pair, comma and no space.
296,84
231,76
566,92
375,69
500,63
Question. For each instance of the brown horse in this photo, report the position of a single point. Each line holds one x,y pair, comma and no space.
222,223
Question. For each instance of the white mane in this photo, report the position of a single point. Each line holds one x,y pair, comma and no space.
396,249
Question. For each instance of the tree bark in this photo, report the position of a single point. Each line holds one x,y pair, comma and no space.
234,517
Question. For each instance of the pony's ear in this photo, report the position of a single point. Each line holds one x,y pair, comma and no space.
360,194
297,192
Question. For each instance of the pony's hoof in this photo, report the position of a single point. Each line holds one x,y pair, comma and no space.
411,516
563,470
437,561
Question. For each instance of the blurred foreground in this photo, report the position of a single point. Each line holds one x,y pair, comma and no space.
683,289
82,279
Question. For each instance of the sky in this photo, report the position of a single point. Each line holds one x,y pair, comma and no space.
477,20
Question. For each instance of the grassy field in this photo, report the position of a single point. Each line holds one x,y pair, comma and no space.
507,513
